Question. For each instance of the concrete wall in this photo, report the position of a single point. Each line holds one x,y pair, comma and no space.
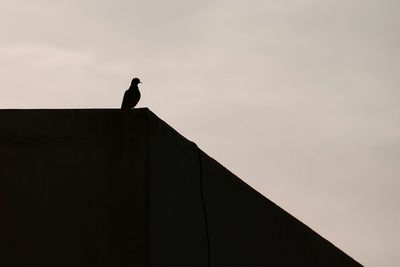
113,188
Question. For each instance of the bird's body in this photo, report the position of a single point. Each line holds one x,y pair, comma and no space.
131,96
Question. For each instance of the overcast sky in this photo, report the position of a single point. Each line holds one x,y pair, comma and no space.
299,98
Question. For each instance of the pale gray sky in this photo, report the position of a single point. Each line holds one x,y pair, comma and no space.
299,98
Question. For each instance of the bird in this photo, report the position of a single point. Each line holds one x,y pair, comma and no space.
131,96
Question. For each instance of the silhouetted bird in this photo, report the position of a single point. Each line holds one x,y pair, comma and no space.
132,95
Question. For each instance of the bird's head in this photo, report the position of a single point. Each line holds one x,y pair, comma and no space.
135,81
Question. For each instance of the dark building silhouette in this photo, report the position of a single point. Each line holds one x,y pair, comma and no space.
112,188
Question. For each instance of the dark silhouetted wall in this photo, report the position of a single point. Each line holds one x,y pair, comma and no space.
122,188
